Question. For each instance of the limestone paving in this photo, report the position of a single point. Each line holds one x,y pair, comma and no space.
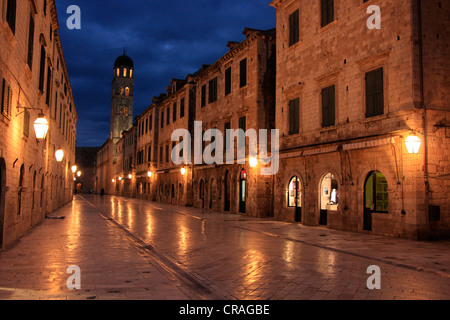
131,249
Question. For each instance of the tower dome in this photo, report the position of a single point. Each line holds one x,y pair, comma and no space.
124,61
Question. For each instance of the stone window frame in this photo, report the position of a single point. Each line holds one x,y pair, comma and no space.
369,64
325,81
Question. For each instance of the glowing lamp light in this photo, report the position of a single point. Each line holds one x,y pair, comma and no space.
113,180
413,144
183,171
79,174
149,174
59,155
130,176
120,178
253,162
74,169
41,127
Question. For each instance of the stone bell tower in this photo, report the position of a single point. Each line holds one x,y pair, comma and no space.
122,98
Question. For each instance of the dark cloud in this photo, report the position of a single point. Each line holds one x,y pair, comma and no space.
165,39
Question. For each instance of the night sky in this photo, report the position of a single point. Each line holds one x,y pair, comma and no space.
166,39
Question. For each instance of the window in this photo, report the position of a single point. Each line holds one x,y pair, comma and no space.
328,107
228,81
42,70
167,154
327,12
26,123
11,8
162,119
174,111
49,84
160,154
124,72
243,73
30,41
294,199
118,72
243,127
146,125
294,28
227,135
376,193
294,116
374,93
150,123
6,102
203,95
127,92
182,103
213,90
149,154
168,116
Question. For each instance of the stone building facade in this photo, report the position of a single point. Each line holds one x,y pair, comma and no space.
347,98
236,92
33,81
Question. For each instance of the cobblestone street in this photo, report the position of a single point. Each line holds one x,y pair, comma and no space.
132,249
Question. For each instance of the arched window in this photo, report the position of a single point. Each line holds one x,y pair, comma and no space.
127,91
122,91
125,72
376,193
131,73
295,193
118,72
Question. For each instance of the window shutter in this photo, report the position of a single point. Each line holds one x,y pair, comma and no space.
26,123
294,115
328,107
374,93
30,42
294,28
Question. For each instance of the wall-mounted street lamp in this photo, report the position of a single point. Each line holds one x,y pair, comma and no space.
120,178
130,176
149,174
59,154
183,171
79,174
74,169
113,180
41,127
253,162
413,144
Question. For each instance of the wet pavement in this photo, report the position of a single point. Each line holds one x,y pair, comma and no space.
134,249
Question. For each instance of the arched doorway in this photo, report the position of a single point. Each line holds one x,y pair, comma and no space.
2,198
227,191
376,197
242,191
212,193
295,197
201,193
20,191
41,203
329,197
